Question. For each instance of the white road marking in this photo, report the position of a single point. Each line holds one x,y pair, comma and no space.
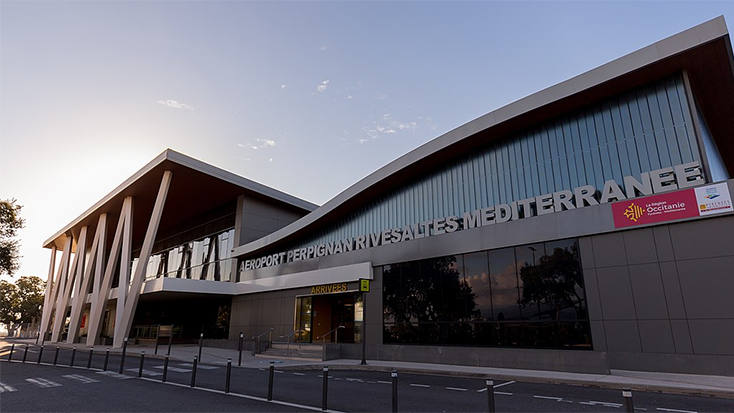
420,385
675,410
79,377
455,388
605,404
384,382
43,383
5,388
176,369
198,366
115,375
558,399
299,374
355,380
504,384
146,372
501,393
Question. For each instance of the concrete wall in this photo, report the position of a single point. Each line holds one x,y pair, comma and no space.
259,218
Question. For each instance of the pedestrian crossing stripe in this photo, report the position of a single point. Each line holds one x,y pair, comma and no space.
198,366
43,383
79,377
147,372
5,388
115,375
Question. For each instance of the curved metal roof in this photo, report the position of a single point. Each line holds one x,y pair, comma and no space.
703,52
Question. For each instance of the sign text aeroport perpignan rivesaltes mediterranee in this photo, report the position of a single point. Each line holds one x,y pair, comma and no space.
653,182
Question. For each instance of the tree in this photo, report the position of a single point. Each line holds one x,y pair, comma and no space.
21,302
10,223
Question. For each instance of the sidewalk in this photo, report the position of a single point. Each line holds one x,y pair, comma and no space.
691,384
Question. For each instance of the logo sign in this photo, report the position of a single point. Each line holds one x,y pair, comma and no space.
364,285
713,199
689,203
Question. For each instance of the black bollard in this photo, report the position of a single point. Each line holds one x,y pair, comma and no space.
73,355
40,354
56,356
157,332
106,359
201,342
165,369
12,349
229,372
25,353
394,376
239,349
142,362
124,350
325,391
89,360
628,404
490,395
270,381
193,372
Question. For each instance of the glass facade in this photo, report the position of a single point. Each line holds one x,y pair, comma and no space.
524,296
645,129
207,258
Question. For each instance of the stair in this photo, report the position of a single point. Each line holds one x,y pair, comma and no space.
295,351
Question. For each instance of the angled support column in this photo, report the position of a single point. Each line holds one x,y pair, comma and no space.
125,260
134,294
100,297
61,274
92,272
47,300
65,294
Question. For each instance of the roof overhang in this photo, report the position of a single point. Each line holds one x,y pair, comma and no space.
196,187
703,52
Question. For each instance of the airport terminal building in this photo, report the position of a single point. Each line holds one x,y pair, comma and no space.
584,228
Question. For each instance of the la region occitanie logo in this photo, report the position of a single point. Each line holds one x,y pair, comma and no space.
634,212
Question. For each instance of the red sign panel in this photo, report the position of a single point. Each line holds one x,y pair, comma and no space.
656,208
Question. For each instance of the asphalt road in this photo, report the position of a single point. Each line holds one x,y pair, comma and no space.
80,389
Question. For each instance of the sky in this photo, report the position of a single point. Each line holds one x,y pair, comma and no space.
307,97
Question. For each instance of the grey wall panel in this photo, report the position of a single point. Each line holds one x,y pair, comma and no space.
663,243
707,238
598,336
712,336
681,336
647,288
617,301
707,286
639,246
656,336
609,250
673,293
586,249
591,283
622,336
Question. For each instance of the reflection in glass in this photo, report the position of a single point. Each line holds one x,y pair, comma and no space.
527,296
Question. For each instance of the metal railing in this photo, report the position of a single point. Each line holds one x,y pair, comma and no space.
256,347
323,340
288,341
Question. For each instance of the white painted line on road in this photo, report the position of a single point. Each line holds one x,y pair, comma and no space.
176,369
675,410
558,399
5,388
79,377
384,382
501,393
355,380
456,389
299,374
420,385
147,372
278,371
605,404
244,396
504,384
198,366
115,375
43,383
